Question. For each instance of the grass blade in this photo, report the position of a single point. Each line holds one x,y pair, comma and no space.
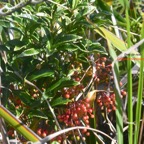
119,118
129,84
140,90
18,125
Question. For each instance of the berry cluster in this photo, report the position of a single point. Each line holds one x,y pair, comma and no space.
104,69
104,81
106,100
11,133
123,93
42,132
35,93
77,113
72,91
15,99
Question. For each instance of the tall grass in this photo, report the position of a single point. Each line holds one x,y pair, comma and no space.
135,131
140,90
129,80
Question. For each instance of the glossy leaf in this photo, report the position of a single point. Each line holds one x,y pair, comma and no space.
25,98
61,39
16,42
3,48
73,3
41,74
96,47
59,101
29,52
63,82
38,114
68,47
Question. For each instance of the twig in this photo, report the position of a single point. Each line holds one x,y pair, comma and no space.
99,140
5,138
91,81
36,1
58,4
51,136
128,51
115,27
96,135
4,11
10,10
111,126
118,34
85,73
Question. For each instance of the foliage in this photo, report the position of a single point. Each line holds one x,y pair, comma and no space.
56,68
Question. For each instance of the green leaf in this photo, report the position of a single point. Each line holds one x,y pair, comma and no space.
61,39
41,74
29,52
3,48
25,98
16,42
48,46
59,101
69,47
96,47
112,53
17,29
64,82
119,44
85,9
124,3
73,3
38,114
4,23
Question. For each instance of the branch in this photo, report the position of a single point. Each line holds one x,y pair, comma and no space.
9,10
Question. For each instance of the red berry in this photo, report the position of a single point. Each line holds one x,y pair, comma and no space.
39,131
44,134
10,132
67,96
75,116
121,83
84,130
104,58
88,105
77,79
114,108
88,133
109,110
124,93
92,115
